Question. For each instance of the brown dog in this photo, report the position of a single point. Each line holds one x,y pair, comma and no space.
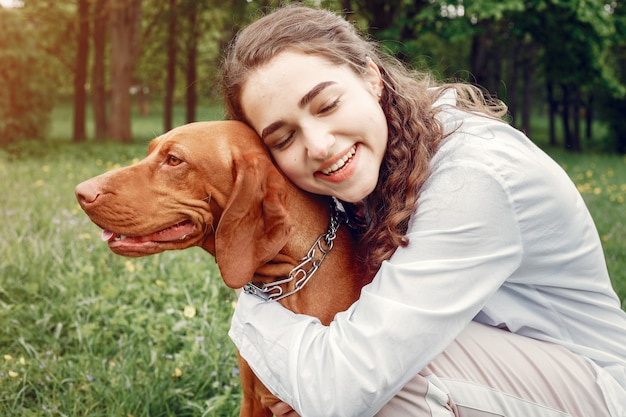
213,184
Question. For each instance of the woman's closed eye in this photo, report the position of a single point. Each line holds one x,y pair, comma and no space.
283,142
330,107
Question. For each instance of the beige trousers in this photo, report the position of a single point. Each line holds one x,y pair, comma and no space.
488,372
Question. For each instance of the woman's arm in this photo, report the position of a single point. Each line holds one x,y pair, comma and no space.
464,243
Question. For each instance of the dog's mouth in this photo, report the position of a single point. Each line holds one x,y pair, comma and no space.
176,233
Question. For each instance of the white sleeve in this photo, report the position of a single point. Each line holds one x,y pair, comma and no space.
464,243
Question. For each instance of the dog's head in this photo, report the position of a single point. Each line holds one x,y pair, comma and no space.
208,184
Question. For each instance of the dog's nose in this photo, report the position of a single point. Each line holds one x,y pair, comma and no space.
86,193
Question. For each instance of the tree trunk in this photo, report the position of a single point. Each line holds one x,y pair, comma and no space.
192,58
565,103
125,25
170,81
80,75
576,119
478,57
589,117
513,84
552,113
98,86
494,66
529,76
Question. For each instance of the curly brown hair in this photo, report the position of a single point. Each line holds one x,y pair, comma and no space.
415,134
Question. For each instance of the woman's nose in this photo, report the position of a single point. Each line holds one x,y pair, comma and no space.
318,144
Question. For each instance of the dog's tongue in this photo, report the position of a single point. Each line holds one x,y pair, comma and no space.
107,235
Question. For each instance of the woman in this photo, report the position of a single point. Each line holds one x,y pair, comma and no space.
491,295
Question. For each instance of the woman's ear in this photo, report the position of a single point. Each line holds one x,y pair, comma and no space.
374,78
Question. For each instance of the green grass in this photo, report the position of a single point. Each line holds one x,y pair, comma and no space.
84,332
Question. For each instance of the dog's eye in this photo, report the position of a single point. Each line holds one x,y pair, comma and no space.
173,160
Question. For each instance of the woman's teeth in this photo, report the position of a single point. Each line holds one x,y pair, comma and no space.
340,163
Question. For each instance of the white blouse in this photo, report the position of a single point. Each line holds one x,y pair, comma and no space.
501,236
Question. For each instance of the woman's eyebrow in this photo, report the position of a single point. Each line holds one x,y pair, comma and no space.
308,97
271,128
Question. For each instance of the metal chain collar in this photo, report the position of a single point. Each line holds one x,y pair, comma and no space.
324,243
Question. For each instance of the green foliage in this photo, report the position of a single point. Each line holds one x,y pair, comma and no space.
209,27
575,35
578,42
493,9
27,95
87,332
613,101
515,48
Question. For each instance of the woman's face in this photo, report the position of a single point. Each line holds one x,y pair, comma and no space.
322,123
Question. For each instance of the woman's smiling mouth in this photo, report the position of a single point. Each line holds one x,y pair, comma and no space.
337,166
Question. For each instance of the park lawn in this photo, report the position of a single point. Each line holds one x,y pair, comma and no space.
84,332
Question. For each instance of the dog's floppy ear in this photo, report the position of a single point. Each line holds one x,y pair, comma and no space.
255,224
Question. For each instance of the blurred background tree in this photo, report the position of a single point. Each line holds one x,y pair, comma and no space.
558,61
28,76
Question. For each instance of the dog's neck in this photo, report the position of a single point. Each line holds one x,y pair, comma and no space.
308,265
337,282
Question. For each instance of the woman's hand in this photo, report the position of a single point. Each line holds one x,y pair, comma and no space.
282,409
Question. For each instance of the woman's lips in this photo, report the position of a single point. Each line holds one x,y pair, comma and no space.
340,163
